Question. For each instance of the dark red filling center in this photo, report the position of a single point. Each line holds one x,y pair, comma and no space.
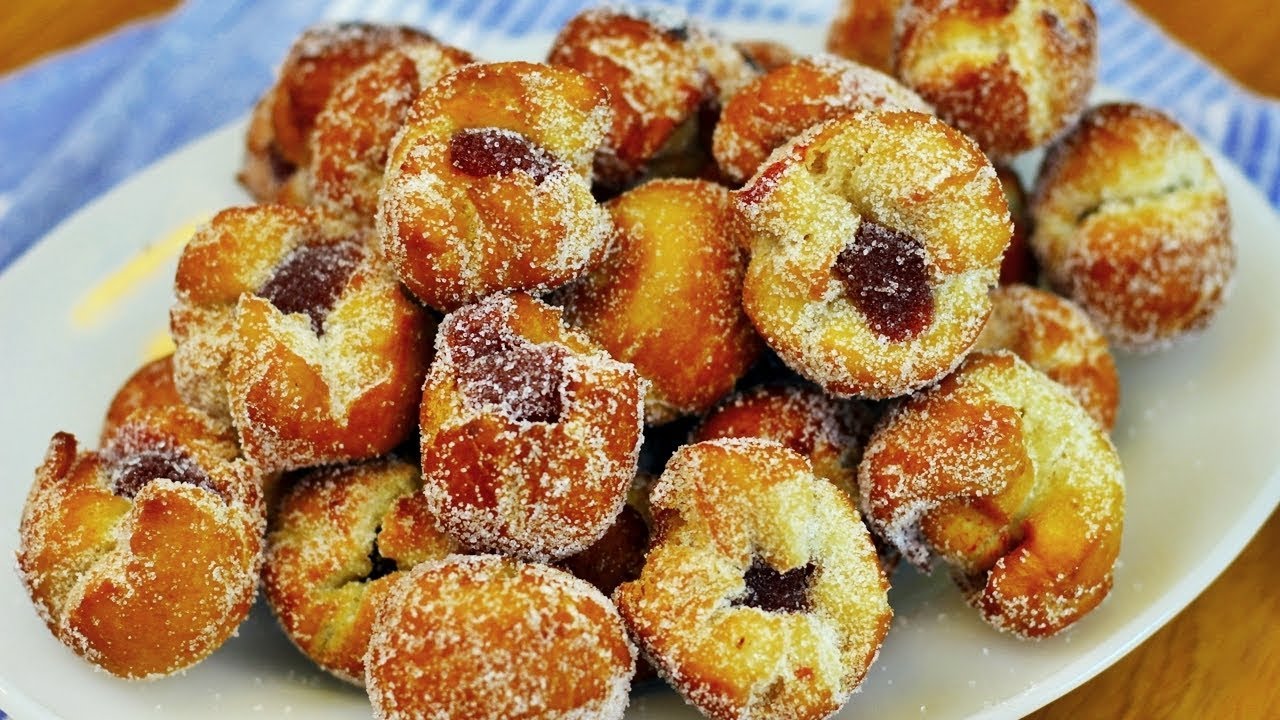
497,367
311,279
140,468
887,278
774,591
482,152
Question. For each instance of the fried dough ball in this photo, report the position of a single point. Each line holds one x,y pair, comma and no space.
1132,223
530,431
150,386
487,187
339,540
1053,335
278,142
292,325
875,239
862,31
660,69
492,637
1011,75
761,596
999,471
143,556
778,106
353,133
677,244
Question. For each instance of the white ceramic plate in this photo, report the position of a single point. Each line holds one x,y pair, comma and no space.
1196,432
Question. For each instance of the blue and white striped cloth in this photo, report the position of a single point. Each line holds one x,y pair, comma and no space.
75,125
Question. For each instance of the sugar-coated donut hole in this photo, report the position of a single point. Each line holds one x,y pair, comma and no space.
1132,223
761,594
530,432
677,243
143,557
901,170
1001,473
493,637
487,186
1010,75
341,536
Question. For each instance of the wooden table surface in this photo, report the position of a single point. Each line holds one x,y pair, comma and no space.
1220,658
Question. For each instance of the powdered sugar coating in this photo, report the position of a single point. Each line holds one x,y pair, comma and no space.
677,244
352,135
298,396
492,637
147,585
778,106
1056,337
278,144
1001,473
658,69
319,576
498,480
454,237
1132,222
902,170
1010,75
719,508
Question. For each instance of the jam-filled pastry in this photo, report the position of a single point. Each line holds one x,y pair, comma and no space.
488,188
291,324
530,431
143,556
1011,75
1053,335
1132,223
353,133
999,472
491,637
660,70
278,142
677,245
761,596
150,386
862,30
875,239
778,106
339,539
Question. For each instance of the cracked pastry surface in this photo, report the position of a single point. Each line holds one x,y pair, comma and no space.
143,556
999,472
761,595
1132,223
341,536
530,432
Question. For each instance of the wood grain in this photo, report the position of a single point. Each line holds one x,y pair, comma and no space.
1220,658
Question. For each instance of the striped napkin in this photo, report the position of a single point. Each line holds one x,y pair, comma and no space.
77,124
